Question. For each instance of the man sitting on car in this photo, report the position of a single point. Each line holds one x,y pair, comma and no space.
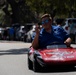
49,34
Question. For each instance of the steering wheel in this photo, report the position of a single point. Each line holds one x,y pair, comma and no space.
54,43
59,43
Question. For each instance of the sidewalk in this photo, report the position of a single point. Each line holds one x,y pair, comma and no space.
13,45
25,43
7,41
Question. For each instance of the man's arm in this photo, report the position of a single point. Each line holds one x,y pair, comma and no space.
35,42
68,42
66,37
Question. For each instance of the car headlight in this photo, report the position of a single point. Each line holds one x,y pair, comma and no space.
37,53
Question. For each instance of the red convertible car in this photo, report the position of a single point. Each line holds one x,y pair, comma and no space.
53,55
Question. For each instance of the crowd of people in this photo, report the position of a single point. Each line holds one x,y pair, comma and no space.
12,33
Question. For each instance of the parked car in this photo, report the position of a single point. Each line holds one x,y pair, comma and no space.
55,55
31,34
70,28
66,26
20,33
1,32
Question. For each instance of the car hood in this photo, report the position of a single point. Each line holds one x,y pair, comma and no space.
58,54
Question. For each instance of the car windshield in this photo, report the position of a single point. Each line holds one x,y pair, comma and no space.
56,46
73,21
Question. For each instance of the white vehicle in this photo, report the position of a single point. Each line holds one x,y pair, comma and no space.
1,32
30,34
20,33
67,28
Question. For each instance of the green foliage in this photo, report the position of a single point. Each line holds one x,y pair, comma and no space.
31,9
1,16
61,7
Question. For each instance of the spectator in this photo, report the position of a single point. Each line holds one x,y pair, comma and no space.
5,34
11,33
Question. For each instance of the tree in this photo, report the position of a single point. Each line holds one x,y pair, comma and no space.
19,11
22,11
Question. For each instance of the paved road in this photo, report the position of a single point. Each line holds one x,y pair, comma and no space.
13,61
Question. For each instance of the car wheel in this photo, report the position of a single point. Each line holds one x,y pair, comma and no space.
36,66
30,64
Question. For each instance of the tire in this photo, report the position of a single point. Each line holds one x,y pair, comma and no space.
36,66
30,64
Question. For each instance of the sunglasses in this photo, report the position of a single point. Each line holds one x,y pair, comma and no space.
45,21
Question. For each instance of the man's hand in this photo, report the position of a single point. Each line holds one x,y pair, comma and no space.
37,29
35,42
68,42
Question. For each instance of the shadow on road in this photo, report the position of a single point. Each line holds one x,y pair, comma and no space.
14,51
58,70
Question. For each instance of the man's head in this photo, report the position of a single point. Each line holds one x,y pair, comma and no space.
46,21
